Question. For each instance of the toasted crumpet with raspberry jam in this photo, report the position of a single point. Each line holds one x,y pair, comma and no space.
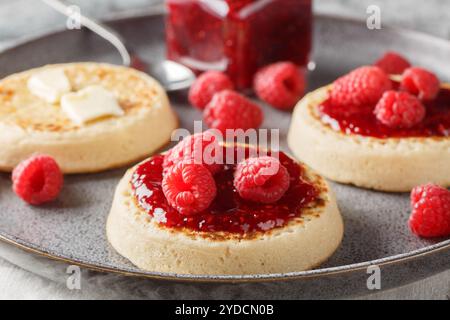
362,151
233,236
30,124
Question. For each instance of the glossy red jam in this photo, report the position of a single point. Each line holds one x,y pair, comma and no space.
435,124
228,212
238,36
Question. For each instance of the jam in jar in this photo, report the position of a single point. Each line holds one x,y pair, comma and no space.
238,36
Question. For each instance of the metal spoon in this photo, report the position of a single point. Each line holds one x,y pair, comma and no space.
171,75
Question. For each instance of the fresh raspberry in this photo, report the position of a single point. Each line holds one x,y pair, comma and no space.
359,90
37,179
262,179
393,63
230,110
430,215
420,82
189,188
203,148
280,84
399,110
206,86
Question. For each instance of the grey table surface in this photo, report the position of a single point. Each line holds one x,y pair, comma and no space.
23,18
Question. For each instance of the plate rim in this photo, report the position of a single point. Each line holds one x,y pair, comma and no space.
298,275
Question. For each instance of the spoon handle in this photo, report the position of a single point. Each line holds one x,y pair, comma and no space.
97,27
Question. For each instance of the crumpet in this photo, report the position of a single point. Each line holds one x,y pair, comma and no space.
141,122
225,239
394,164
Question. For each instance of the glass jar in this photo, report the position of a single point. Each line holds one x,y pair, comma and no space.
238,36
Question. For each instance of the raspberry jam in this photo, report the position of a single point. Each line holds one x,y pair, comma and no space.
228,212
435,124
238,36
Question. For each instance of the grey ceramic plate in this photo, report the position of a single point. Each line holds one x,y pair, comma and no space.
73,228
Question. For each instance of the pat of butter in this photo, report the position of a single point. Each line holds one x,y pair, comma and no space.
49,84
90,103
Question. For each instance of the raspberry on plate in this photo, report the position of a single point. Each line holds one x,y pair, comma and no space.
430,215
189,188
399,110
262,179
37,180
280,84
202,148
421,83
359,90
393,63
206,86
230,110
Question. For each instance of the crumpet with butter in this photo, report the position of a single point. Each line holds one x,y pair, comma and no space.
88,116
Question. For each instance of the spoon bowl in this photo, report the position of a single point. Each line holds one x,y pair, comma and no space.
172,76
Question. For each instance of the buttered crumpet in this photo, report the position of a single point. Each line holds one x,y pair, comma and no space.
88,116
